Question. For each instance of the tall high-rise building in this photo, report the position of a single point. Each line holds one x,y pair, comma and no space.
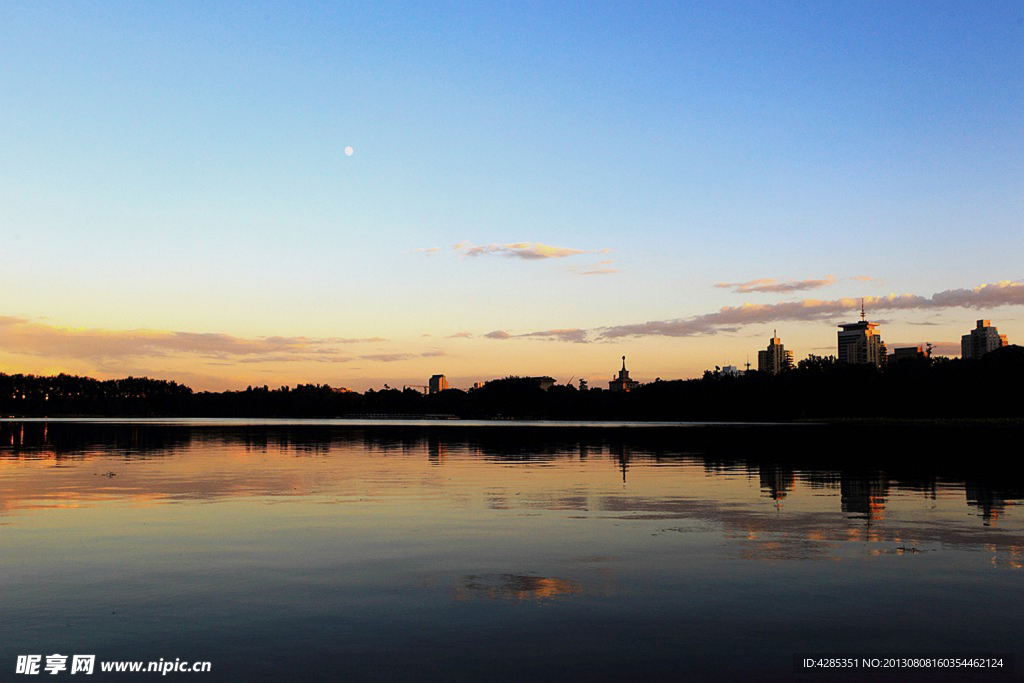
438,383
775,358
860,343
981,340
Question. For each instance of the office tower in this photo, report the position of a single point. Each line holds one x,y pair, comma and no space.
981,340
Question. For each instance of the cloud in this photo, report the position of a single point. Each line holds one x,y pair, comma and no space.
772,285
570,335
944,348
460,335
394,357
523,250
1004,293
20,335
427,251
280,358
598,268
387,357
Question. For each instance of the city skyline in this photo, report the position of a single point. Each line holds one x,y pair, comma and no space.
258,194
772,361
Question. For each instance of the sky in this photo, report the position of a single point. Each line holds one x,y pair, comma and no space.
533,188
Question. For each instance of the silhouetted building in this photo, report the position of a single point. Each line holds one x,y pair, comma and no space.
543,382
730,371
775,358
981,340
903,353
623,382
860,343
438,383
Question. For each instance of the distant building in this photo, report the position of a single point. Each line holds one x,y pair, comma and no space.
543,382
775,358
438,383
730,371
981,340
907,353
623,382
860,343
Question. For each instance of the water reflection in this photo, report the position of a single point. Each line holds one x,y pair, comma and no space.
864,496
782,465
516,587
259,541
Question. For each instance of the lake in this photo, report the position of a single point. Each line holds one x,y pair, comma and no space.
338,550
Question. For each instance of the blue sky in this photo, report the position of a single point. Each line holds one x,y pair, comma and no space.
180,168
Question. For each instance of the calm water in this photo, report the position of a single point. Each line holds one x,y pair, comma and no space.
338,551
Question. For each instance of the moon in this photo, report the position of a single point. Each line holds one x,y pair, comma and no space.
349,151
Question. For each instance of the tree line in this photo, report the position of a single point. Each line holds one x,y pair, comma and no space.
819,387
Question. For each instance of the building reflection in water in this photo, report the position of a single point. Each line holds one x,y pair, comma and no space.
776,480
863,495
435,450
783,465
990,503
621,454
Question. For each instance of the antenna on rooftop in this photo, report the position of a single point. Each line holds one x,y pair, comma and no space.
862,317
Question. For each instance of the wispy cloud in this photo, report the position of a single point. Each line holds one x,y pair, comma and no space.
570,335
394,357
460,335
1004,293
603,267
522,250
427,251
772,285
944,348
731,319
20,335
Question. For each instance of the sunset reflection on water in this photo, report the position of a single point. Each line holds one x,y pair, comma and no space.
129,536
